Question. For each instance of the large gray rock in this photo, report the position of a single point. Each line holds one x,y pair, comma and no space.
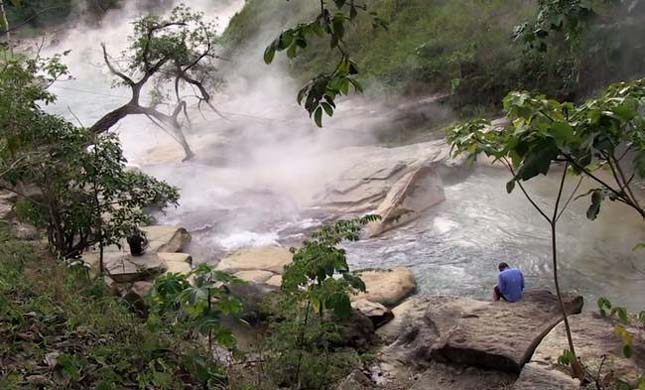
593,338
503,335
166,238
378,179
415,192
267,258
388,287
496,335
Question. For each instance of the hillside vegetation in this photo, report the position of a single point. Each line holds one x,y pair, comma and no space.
461,47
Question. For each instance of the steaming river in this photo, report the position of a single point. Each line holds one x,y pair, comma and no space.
242,194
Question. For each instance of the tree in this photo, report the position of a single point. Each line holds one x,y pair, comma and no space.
598,135
177,50
319,93
70,181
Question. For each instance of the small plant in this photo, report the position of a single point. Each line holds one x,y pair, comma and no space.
606,310
314,300
195,302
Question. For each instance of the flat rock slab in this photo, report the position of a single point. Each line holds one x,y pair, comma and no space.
387,287
593,337
464,331
122,267
175,257
445,377
166,238
267,258
501,335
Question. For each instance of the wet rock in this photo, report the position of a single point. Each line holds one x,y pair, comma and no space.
256,276
594,337
415,192
495,335
267,258
536,376
166,238
387,287
377,313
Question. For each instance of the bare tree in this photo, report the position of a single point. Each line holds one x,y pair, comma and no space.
175,57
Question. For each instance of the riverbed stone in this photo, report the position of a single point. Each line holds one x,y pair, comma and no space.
266,258
377,313
166,238
387,287
275,281
594,337
493,335
412,194
254,276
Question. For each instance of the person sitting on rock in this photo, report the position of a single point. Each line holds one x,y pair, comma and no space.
137,242
510,284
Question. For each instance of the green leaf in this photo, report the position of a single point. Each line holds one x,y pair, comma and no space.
269,54
627,350
16,3
510,186
328,108
597,197
318,116
538,160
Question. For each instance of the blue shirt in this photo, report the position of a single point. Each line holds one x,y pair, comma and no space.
511,283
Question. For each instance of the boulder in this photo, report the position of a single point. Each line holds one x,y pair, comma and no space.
377,313
6,204
387,287
178,267
466,331
267,258
594,337
166,238
372,174
415,192
256,276
536,376
24,231
503,335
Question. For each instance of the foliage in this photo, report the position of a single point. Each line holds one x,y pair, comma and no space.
638,320
78,187
601,133
302,348
319,274
60,329
319,93
195,302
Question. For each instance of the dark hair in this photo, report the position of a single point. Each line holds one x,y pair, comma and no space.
502,266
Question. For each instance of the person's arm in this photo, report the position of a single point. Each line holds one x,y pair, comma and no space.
500,283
